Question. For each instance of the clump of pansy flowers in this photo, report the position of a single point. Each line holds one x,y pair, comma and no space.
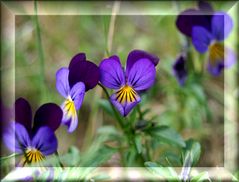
35,140
207,29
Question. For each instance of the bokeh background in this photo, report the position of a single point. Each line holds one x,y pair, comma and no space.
195,110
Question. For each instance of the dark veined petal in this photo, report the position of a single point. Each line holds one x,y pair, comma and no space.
221,25
45,141
84,71
190,18
49,115
70,118
201,39
215,69
136,55
16,137
62,82
179,69
111,73
77,94
23,113
142,75
126,107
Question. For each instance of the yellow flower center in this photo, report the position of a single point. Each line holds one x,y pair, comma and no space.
216,53
70,107
126,94
33,155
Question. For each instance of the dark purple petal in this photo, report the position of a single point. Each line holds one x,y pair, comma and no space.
201,39
124,109
190,18
77,94
45,141
83,71
136,55
205,6
111,73
62,82
221,25
16,137
179,69
70,118
142,75
49,115
23,113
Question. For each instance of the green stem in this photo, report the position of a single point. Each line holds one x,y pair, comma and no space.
113,108
140,112
57,155
40,48
9,156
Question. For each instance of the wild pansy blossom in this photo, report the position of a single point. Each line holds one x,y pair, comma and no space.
139,76
220,57
72,83
200,16
208,29
37,141
179,69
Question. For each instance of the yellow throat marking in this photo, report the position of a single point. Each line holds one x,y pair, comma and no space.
33,155
126,94
216,53
70,107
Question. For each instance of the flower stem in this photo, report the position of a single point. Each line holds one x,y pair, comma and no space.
57,155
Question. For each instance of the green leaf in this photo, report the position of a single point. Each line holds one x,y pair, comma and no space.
193,148
138,143
165,172
99,157
201,177
167,135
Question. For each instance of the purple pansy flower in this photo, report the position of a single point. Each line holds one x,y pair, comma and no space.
200,16
139,76
72,83
179,69
34,141
220,57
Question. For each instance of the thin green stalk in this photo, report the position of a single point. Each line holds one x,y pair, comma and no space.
9,156
140,112
113,108
40,50
58,158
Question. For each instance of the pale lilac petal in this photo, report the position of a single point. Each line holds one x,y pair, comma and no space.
221,25
201,39
142,75
229,57
77,94
111,73
45,141
62,82
16,137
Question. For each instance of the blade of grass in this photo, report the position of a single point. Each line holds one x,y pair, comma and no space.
40,52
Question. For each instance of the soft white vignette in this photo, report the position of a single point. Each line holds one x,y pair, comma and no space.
9,11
